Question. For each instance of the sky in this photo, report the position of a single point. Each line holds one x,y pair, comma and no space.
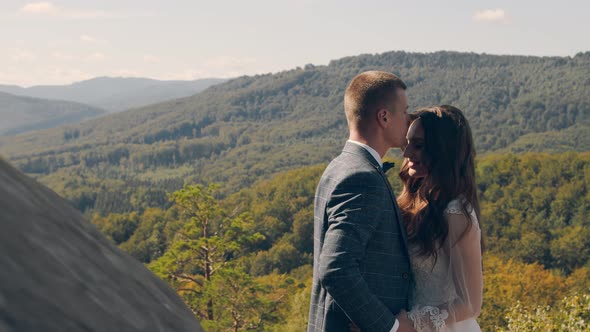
63,41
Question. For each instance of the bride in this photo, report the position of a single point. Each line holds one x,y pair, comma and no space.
440,210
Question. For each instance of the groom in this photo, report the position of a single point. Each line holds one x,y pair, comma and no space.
361,269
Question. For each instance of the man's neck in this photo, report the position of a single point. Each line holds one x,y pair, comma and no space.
369,142
369,149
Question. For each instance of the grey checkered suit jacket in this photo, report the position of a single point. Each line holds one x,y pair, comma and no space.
361,268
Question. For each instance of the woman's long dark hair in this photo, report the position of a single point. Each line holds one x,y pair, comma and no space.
449,155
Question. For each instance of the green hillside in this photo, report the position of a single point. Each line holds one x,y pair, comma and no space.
25,114
574,138
251,127
535,220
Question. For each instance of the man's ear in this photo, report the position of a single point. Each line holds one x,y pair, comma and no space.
383,117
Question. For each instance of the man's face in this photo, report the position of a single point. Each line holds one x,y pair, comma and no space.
398,112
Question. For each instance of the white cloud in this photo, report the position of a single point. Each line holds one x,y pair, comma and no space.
148,58
88,39
88,14
54,75
21,55
39,8
124,72
62,56
491,15
96,57
10,78
220,66
91,40
228,62
49,9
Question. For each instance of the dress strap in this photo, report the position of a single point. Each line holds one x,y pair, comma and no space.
456,207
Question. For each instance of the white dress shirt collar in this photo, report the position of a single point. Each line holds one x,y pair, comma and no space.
372,151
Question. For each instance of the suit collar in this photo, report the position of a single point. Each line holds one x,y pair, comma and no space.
372,151
360,151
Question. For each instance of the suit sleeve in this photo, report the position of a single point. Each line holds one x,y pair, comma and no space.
354,210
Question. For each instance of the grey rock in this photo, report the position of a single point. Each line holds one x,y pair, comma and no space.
58,273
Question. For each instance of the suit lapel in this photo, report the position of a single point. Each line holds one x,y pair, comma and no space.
398,215
360,151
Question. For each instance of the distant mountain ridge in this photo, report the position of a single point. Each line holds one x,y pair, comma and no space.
22,114
116,94
249,128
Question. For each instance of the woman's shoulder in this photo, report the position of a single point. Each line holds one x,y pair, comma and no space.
456,207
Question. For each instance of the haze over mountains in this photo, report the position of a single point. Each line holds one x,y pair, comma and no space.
251,127
115,94
22,114
55,105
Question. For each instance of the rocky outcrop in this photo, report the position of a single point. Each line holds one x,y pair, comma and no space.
58,273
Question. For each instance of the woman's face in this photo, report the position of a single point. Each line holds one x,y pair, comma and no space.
414,151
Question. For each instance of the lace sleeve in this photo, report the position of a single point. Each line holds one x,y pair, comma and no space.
464,272
429,317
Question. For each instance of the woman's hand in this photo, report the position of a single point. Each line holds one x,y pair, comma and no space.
405,324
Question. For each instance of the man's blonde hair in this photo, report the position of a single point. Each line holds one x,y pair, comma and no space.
368,92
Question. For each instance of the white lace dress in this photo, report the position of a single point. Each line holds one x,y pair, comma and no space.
448,294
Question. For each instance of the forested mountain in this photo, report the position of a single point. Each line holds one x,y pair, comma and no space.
535,219
576,138
239,253
252,127
23,114
116,93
